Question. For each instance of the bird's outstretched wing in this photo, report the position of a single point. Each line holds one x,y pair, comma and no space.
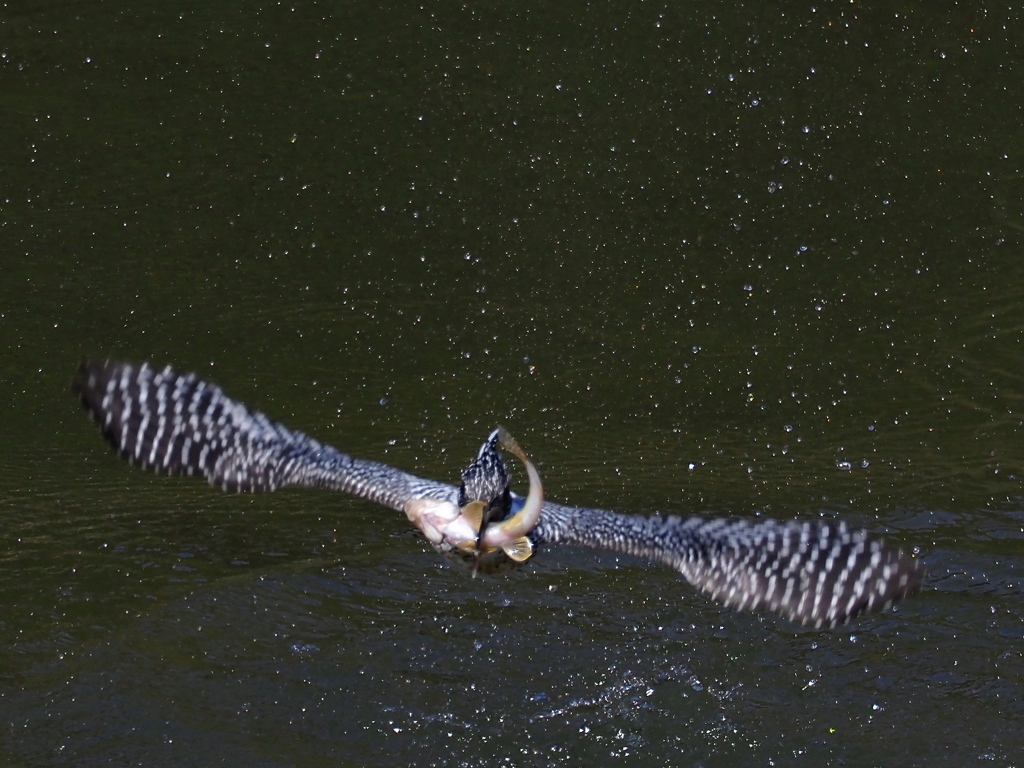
182,425
814,572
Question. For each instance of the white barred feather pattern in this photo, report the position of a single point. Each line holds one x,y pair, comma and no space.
814,572
180,424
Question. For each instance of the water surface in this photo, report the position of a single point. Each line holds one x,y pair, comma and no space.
733,260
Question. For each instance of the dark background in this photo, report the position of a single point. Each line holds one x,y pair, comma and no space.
728,258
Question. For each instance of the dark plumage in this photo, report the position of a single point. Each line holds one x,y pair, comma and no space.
486,480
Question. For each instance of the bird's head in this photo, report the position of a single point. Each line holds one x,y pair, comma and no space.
486,481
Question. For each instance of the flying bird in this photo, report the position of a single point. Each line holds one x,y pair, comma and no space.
815,572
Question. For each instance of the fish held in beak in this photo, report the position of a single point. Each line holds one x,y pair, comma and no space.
449,527
511,535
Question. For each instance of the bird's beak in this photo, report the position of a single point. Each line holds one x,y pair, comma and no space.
511,535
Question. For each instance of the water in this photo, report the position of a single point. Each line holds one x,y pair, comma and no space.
733,259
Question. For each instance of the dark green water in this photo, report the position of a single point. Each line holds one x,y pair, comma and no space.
731,258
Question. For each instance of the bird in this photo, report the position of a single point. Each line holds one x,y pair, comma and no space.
815,572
